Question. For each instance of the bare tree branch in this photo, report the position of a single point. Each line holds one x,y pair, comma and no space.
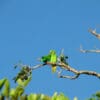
69,77
87,51
70,69
90,73
94,33
76,72
37,66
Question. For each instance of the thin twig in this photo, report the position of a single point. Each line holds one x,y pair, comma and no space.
93,51
77,73
69,77
37,66
90,73
87,51
94,33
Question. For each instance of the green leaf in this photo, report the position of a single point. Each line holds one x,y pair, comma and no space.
16,93
23,74
6,89
2,82
2,97
19,90
54,96
13,94
75,98
32,97
98,94
25,82
43,97
61,96
23,97
5,83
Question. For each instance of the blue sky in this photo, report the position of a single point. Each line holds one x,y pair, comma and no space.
29,29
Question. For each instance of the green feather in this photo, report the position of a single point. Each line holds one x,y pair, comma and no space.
45,58
53,60
53,56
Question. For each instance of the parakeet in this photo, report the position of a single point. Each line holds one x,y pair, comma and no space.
53,60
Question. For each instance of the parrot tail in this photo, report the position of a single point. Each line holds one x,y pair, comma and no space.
54,68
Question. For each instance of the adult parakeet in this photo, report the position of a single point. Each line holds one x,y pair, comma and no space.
53,59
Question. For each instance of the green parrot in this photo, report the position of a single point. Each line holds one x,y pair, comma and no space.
53,59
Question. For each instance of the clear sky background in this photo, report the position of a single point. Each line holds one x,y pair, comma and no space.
30,28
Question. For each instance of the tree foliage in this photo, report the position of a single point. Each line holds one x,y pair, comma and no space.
17,93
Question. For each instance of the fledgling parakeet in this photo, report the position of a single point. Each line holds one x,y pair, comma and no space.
53,60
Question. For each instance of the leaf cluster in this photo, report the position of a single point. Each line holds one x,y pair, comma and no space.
17,93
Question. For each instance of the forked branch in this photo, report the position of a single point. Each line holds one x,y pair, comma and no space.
70,69
93,32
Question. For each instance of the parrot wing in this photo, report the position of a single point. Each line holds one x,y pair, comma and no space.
53,60
45,59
